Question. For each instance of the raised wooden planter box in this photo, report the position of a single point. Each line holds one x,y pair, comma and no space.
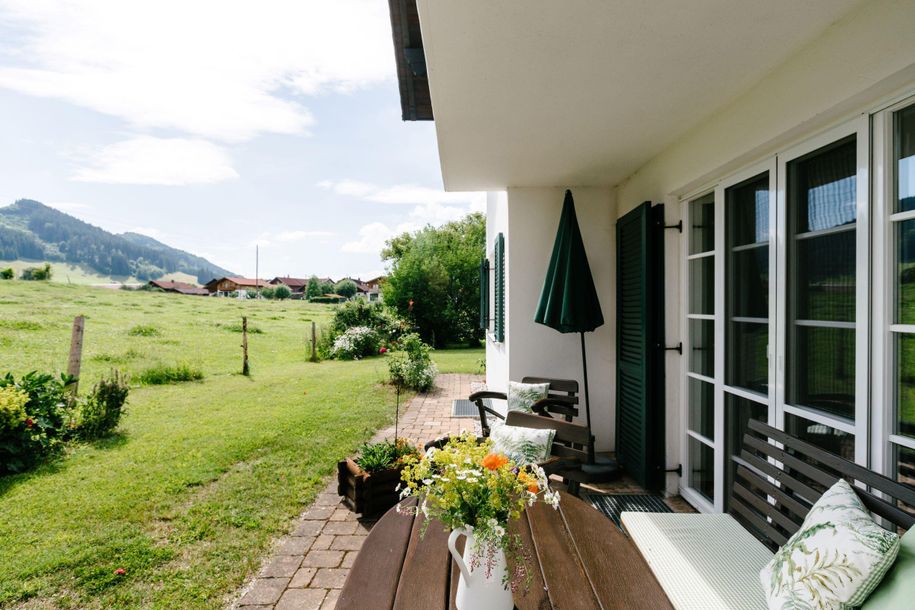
367,493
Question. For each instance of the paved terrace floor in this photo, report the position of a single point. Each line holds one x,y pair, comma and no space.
308,567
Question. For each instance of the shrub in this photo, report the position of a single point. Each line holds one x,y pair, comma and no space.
100,412
326,299
374,457
281,293
361,313
357,342
24,440
268,293
413,367
346,288
250,294
42,273
144,330
7,274
162,374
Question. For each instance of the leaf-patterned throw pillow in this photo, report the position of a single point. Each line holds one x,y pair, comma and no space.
522,396
834,561
522,445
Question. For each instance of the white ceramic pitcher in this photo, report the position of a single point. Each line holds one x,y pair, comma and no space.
475,591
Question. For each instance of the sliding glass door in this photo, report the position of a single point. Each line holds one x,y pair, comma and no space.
778,333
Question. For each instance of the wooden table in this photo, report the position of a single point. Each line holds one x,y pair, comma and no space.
579,560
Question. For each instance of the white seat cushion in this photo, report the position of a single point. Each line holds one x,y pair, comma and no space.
703,562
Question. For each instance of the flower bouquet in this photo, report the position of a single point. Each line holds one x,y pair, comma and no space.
475,493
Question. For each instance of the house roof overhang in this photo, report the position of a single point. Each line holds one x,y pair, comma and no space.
582,92
415,103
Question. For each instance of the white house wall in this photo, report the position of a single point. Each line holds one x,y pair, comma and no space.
862,61
533,217
497,353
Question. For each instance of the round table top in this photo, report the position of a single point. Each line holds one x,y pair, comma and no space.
579,560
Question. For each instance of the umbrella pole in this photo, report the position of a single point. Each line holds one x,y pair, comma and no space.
584,364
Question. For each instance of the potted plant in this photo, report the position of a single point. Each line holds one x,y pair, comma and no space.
369,482
475,492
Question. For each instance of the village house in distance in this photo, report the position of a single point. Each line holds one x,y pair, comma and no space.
370,290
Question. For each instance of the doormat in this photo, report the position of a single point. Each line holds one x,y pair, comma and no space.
613,505
465,408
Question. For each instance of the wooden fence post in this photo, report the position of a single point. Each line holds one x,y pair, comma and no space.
245,370
76,352
314,343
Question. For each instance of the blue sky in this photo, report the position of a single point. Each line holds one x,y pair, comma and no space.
217,125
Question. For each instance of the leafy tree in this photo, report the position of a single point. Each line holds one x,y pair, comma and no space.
6,274
269,293
434,280
327,287
281,292
346,288
314,288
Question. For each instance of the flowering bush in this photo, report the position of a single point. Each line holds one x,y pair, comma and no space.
464,484
374,457
413,367
357,313
357,342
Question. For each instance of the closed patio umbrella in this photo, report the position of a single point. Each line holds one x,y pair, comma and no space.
569,300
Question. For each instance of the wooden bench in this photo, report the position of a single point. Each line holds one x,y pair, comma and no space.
713,561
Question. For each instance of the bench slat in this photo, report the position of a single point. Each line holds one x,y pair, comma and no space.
765,508
784,479
424,579
744,512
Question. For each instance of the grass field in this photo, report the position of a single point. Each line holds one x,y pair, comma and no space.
187,497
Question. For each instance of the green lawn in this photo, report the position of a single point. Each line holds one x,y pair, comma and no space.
202,475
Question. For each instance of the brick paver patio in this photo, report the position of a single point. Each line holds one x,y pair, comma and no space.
309,565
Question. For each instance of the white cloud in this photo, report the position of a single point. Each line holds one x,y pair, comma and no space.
373,235
165,161
287,236
437,214
408,194
220,69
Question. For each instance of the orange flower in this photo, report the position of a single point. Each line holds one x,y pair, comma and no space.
533,488
494,461
530,481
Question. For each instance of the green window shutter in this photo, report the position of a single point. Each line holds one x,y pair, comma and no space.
639,335
499,289
484,294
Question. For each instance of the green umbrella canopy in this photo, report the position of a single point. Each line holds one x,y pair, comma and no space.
569,300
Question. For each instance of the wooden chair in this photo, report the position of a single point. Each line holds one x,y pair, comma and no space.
561,400
779,477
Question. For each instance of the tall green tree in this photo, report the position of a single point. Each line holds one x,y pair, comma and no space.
434,279
346,288
313,289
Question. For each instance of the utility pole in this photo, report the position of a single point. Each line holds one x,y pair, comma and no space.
257,273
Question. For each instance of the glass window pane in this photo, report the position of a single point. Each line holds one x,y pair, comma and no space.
824,437
747,209
747,362
702,408
748,282
702,468
823,270
702,285
905,270
702,347
820,365
822,371
702,224
905,385
822,187
905,159
738,411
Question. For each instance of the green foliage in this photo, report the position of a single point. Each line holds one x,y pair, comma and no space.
37,274
251,294
351,314
100,412
268,293
161,374
313,289
144,330
346,288
374,457
413,368
7,274
282,292
434,280
355,343
327,299
37,431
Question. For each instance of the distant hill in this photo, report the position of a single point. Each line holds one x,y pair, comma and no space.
30,230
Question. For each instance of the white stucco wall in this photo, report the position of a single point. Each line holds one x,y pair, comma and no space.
497,353
862,62
533,217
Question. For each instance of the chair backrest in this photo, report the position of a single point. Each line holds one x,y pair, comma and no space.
564,389
571,440
779,477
